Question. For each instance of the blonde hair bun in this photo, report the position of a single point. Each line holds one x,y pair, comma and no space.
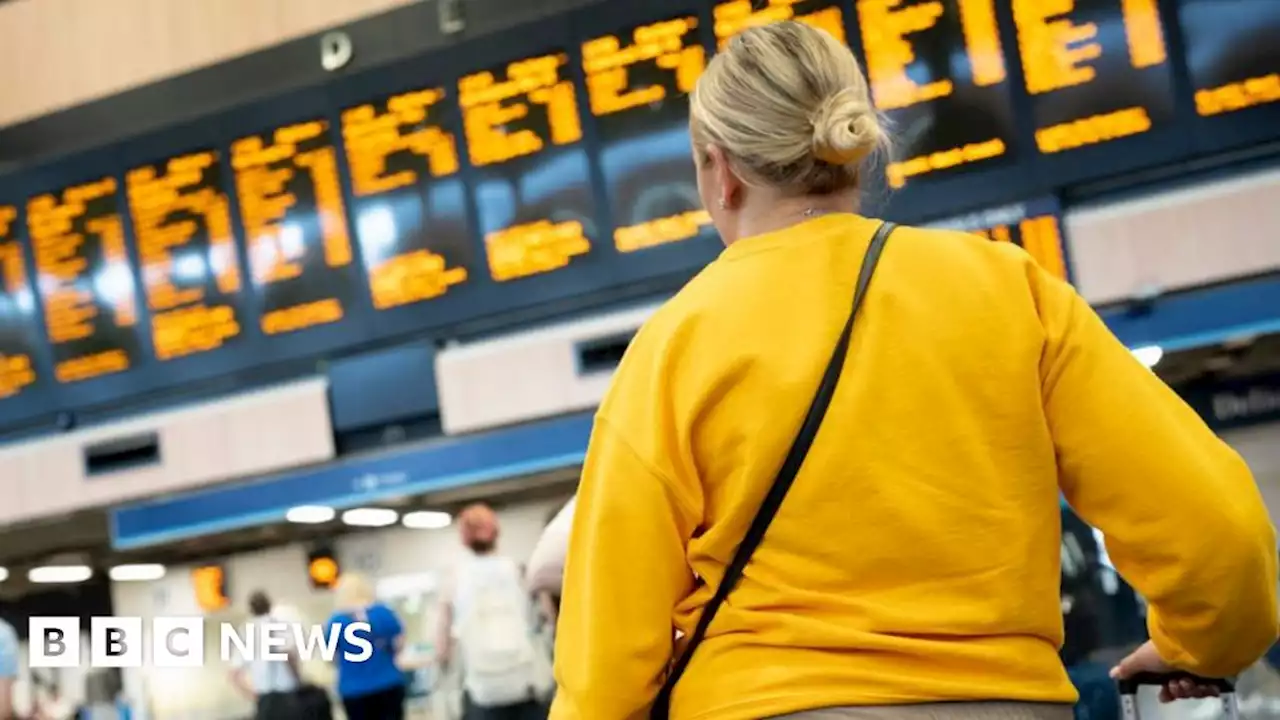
790,105
845,128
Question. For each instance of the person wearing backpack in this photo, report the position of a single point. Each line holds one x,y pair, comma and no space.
486,627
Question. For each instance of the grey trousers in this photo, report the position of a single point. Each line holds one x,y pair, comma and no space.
942,711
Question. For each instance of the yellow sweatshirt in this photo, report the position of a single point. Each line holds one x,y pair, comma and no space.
916,558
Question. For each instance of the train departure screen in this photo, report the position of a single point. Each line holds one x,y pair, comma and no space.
937,69
18,333
1097,70
735,16
410,206
1233,50
1034,226
186,250
86,283
532,189
295,226
638,82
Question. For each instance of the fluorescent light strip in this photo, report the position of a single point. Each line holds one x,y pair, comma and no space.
310,514
370,517
137,573
57,574
427,520
4,574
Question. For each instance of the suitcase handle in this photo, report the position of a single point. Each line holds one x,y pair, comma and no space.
1130,685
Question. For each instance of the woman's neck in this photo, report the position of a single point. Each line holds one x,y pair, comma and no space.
771,213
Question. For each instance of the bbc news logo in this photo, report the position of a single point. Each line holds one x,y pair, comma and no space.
176,642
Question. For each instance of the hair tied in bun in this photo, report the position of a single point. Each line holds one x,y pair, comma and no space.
845,128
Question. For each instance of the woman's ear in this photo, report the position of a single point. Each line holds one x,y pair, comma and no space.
729,185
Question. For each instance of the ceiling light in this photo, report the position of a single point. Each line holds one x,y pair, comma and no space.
137,573
1149,355
370,517
51,574
4,574
427,520
310,514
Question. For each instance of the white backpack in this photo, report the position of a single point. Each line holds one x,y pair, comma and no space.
499,662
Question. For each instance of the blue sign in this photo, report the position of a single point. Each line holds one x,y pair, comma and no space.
439,465
1196,318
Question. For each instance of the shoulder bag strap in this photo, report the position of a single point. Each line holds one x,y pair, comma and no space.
786,476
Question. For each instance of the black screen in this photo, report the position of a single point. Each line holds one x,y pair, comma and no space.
638,82
86,283
1097,73
186,250
938,71
410,203
532,184
295,225
19,330
1233,52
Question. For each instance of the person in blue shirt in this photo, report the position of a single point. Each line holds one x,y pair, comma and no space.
9,654
372,688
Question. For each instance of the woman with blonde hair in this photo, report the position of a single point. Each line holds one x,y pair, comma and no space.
372,688
921,399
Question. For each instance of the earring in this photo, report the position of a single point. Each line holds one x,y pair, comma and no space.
723,205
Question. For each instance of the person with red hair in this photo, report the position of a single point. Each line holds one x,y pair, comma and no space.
485,618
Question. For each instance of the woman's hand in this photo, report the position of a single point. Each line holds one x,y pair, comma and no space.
1146,660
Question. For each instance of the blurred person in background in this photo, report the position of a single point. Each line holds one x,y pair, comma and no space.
10,653
546,565
270,684
374,688
912,571
485,625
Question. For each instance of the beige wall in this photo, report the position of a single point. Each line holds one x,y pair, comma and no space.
56,54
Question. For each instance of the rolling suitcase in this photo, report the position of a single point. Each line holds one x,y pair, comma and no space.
1129,692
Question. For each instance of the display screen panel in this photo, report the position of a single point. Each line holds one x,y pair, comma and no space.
532,183
87,286
638,83
295,227
1233,53
938,71
1034,226
410,201
19,322
186,249
1096,70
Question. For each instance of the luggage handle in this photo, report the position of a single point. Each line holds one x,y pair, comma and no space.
1129,686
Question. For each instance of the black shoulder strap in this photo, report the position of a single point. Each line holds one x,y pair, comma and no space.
782,483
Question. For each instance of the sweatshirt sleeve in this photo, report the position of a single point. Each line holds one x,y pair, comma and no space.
1183,519
626,571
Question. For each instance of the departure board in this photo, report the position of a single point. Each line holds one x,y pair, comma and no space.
86,283
410,202
1096,70
937,70
19,337
186,251
295,227
532,183
638,82
735,16
1233,53
1034,226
